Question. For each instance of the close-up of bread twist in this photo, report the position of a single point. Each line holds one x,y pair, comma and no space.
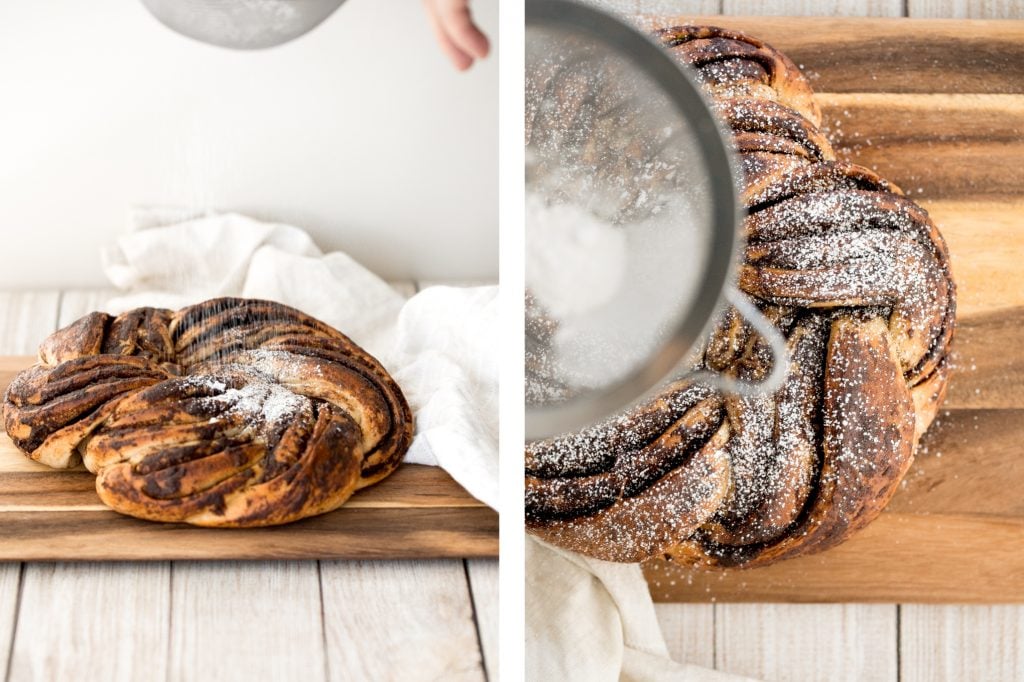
233,412
857,279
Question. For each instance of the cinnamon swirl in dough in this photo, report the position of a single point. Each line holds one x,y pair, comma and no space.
232,412
854,274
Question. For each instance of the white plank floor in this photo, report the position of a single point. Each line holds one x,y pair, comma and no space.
423,622
401,620
92,622
483,584
909,643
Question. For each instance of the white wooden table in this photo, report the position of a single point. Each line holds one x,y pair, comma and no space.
301,620
855,642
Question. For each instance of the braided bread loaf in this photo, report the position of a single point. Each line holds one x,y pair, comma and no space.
854,275
233,412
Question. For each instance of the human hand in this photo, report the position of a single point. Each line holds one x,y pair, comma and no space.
456,33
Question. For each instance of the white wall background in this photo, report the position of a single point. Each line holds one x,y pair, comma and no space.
359,132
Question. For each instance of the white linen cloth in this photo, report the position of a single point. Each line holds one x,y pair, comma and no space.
592,620
440,345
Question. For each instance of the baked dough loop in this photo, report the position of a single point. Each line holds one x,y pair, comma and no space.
233,412
857,278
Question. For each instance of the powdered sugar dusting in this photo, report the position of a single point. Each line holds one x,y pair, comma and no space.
858,278
575,262
616,213
248,396
262,401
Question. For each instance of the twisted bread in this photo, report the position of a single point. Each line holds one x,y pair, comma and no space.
856,277
233,412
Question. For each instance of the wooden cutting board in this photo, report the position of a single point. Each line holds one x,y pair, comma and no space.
417,512
937,106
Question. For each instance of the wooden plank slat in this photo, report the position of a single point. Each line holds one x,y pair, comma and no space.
12,364
48,491
689,631
985,247
860,54
412,486
26,318
10,579
960,499
985,375
966,9
92,622
628,8
483,585
234,621
418,512
648,6
343,534
781,642
961,643
77,303
385,621
219,644
969,464
839,8
947,128
885,562
934,146
945,155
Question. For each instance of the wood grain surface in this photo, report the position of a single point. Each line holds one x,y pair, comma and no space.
956,642
93,598
289,592
946,125
447,630
417,512
880,55
841,633
483,589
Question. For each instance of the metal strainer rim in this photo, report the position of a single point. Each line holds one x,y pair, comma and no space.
679,86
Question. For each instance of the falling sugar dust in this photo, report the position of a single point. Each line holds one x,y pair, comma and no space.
603,296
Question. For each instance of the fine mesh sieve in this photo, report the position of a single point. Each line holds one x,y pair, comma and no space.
242,24
632,218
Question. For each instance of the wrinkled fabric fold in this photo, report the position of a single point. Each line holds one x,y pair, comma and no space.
593,620
440,344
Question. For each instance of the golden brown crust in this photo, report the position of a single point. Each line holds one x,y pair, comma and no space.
856,277
232,412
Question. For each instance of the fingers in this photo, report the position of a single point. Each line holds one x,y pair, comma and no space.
460,59
460,39
458,23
